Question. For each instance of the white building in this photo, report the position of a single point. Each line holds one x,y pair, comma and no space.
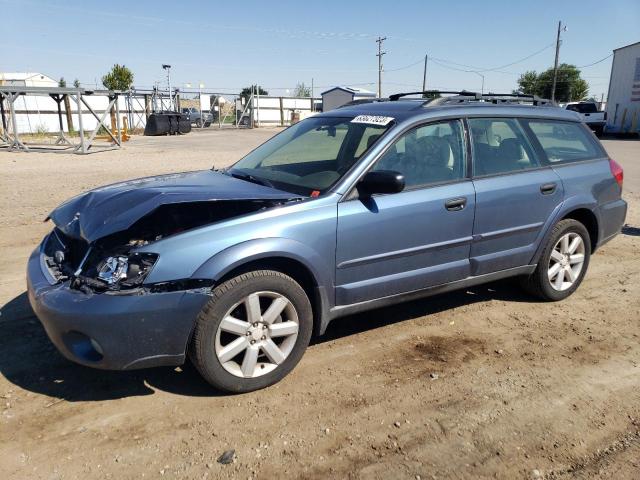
338,96
27,79
623,100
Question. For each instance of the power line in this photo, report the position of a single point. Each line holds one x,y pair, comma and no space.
472,68
595,63
405,67
517,61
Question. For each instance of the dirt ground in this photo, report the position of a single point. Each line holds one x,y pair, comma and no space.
484,383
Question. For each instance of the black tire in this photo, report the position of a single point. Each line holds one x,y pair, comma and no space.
538,283
198,123
202,349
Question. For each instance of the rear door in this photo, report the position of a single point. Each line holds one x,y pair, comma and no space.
420,237
515,195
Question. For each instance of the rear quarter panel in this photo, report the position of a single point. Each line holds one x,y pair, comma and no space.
591,185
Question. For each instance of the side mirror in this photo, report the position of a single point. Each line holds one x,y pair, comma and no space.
381,181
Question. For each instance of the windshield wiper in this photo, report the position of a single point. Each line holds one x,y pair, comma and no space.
250,178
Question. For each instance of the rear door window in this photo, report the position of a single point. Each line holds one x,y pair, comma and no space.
565,141
500,146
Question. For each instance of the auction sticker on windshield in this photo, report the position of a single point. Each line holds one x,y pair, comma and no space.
372,119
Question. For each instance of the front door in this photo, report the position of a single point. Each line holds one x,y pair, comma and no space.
420,237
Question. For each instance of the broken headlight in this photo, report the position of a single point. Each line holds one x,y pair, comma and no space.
113,269
125,270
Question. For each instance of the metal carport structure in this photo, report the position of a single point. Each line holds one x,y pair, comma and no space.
11,136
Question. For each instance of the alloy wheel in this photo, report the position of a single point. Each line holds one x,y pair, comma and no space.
257,334
566,261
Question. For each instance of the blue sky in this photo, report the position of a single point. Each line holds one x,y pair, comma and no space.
228,45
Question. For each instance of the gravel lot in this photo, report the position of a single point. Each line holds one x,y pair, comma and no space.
484,383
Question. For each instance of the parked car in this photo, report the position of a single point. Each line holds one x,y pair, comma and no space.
198,118
590,114
346,211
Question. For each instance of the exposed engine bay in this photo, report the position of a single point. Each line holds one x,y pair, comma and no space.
112,264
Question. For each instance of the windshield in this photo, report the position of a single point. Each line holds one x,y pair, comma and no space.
312,155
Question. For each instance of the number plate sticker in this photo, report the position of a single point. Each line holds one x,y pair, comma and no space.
372,119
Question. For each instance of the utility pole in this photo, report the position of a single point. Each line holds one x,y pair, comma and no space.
424,77
379,55
555,65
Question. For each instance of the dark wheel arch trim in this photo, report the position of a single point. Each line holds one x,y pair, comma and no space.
580,213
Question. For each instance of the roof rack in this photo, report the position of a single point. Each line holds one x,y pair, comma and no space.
467,97
360,101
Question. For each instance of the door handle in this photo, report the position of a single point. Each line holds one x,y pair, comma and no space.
548,188
455,204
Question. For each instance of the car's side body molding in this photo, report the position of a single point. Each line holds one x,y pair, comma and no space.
342,310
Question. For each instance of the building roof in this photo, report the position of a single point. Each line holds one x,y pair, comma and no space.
361,92
24,76
626,46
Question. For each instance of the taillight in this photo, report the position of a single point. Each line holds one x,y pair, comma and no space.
616,171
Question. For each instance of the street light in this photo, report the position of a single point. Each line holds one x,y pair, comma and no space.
168,69
481,91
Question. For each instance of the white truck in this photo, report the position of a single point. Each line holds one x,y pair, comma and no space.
594,118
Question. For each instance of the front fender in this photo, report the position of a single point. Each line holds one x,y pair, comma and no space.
227,260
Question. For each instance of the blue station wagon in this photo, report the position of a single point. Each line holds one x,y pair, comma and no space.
349,210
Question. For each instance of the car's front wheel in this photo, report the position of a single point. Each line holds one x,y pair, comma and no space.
252,332
563,262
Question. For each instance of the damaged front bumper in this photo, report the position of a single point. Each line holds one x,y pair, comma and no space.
117,332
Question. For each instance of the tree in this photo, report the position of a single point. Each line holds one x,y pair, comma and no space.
76,83
528,83
301,90
119,78
62,82
246,92
580,90
569,86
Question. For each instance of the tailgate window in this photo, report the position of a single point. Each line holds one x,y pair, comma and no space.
565,141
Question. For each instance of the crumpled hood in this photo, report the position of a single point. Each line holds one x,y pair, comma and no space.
117,207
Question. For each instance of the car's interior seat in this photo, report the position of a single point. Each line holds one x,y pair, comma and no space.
510,156
391,160
433,160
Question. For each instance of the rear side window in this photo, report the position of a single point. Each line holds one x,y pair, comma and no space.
500,146
564,141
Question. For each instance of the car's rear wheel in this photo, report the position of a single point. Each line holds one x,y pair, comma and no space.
563,263
252,332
